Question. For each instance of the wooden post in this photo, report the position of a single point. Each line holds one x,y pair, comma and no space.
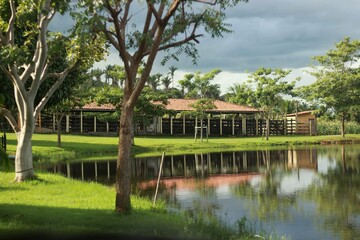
160,125
108,170
243,124
209,122
184,125
67,118
94,123
54,122
96,171
171,125
82,171
159,176
221,130
233,125
81,121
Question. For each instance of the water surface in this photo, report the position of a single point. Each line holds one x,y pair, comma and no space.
303,193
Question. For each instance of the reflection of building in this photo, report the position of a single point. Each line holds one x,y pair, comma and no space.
190,183
302,158
226,164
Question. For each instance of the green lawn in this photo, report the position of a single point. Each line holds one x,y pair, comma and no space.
45,145
56,205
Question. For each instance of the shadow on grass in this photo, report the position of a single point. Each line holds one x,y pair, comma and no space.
39,222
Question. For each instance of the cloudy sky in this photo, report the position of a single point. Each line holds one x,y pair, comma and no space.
271,33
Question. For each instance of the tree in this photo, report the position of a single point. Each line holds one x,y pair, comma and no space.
337,83
172,70
166,25
199,85
241,94
202,106
147,105
27,50
154,81
269,90
166,81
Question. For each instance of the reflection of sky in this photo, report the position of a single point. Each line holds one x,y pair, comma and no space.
298,180
324,164
301,225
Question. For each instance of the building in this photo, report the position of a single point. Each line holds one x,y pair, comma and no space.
302,122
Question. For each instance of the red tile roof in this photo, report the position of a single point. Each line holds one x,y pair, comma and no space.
95,106
181,105
301,113
221,106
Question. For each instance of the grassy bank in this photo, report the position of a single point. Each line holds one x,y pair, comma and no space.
44,145
56,206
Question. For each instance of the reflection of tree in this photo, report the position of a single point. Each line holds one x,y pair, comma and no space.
337,195
265,198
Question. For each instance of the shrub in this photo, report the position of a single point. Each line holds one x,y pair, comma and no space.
333,127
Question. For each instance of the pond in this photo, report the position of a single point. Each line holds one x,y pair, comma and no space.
311,192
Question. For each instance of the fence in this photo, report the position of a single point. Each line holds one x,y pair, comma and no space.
77,122
3,141
233,127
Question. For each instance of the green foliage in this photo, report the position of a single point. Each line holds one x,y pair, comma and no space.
241,94
337,86
265,90
197,85
333,127
270,87
202,106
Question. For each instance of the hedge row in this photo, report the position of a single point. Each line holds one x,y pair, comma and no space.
333,127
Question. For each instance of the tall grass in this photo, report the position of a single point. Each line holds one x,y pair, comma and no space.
333,127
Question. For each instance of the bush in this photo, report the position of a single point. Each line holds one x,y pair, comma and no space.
333,127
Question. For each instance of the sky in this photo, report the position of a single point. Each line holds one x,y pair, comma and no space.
273,34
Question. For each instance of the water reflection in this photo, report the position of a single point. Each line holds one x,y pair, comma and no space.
309,193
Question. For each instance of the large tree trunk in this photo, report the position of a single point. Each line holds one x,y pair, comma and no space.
123,165
24,168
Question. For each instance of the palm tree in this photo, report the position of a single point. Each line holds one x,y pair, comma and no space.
166,82
172,71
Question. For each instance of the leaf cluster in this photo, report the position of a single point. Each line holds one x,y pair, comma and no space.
337,76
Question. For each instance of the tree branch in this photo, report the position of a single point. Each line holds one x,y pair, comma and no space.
60,79
119,26
10,35
143,42
12,121
41,46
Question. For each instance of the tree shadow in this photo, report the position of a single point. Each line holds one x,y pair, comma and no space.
18,221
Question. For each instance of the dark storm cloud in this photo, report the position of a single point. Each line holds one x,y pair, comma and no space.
278,34
267,33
